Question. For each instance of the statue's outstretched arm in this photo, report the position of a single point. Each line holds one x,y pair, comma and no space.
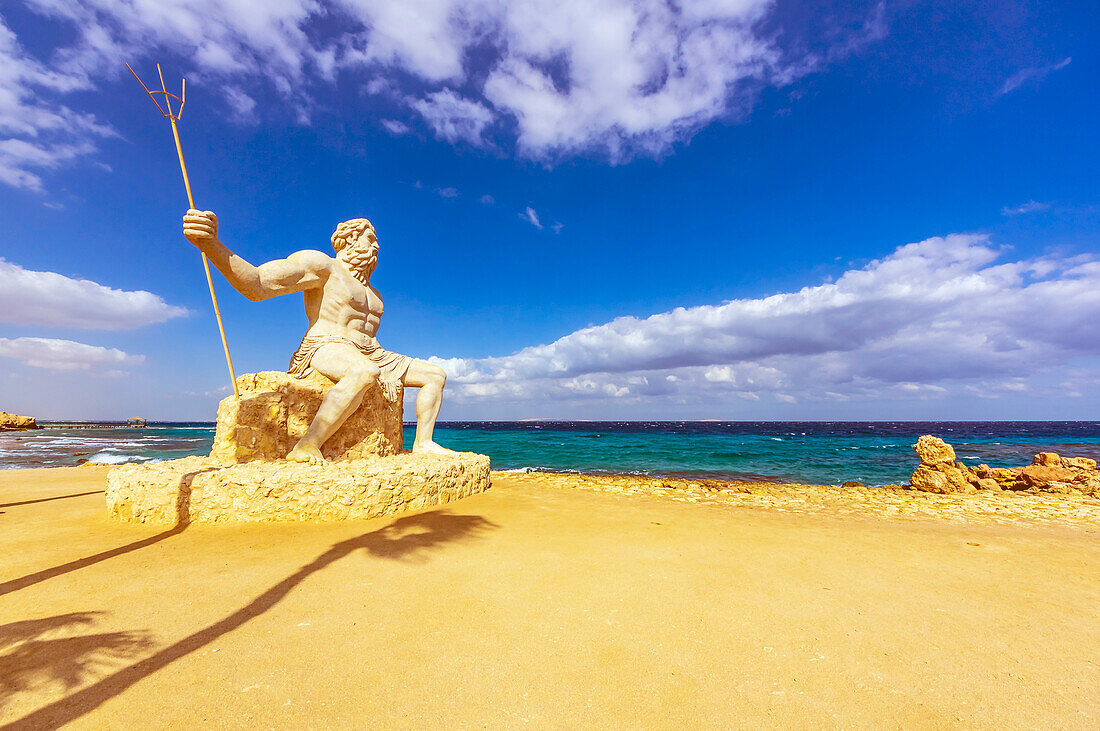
299,271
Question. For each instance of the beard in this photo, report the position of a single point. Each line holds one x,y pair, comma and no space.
360,262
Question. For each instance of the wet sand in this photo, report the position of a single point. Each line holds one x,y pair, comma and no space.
548,603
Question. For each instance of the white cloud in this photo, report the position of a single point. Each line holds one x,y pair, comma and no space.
1029,207
394,127
40,133
1032,74
66,355
242,105
30,297
920,323
447,192
530,216
454,118
548,78
488,199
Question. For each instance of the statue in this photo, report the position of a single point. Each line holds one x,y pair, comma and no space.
344,313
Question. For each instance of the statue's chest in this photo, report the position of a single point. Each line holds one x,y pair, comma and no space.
362,298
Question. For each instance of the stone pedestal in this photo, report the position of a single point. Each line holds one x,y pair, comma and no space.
247,478
275,409
205,489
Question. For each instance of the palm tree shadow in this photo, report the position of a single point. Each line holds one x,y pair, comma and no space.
39,661
183,517
411,538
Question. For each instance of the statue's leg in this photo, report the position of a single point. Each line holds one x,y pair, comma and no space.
430,379
353,373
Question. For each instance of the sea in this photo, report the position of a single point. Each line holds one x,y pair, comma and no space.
827,453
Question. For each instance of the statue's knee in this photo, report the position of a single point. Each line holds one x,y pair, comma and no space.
362,377
440,377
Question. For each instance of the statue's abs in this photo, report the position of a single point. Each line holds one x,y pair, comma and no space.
346,307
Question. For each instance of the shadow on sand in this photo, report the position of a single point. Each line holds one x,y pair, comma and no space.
407,539
48,499
39,661
183,517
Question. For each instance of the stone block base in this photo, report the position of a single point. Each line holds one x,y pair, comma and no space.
275,409
204,489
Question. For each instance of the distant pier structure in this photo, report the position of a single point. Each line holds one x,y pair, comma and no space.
136,422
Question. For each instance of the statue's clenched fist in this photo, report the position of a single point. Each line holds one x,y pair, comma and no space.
200,227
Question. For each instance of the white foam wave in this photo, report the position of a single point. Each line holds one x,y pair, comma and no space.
107,457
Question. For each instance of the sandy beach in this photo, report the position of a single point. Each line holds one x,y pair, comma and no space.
556,601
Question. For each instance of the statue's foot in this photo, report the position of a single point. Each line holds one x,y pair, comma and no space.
431,448
307,453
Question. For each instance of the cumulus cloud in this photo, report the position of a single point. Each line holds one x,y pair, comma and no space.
1033,74
935,315
30,297
66,355
545,78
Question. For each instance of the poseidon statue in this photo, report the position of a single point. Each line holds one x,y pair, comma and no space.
344,313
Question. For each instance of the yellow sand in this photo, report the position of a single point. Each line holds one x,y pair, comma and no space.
533,605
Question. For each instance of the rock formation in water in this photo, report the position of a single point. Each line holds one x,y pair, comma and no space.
14,422
940,472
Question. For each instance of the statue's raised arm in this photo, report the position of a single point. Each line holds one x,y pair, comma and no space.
300,271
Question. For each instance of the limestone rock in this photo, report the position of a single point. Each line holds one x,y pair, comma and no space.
1038,475
943,478
934,451
938,471
987,483
1047,459
206,490
1048,472
275,409
14,422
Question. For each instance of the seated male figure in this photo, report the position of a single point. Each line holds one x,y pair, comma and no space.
344,313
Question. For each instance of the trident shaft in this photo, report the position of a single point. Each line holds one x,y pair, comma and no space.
174,117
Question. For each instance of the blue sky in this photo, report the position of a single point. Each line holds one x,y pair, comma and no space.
730,209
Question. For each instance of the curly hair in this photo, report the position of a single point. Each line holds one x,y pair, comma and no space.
349,231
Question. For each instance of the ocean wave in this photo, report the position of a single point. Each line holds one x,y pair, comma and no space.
109,457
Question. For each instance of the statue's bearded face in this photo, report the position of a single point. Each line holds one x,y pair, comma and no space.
361,256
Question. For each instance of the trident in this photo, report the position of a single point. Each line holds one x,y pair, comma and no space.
174,117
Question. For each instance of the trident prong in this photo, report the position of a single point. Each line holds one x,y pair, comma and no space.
182,99
174,118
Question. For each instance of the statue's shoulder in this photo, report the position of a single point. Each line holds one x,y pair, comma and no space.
312,259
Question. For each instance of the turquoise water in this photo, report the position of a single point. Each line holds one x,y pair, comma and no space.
874,453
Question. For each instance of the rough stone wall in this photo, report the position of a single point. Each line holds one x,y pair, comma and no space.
203,489
275,409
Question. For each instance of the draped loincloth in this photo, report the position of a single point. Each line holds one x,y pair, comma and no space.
393,365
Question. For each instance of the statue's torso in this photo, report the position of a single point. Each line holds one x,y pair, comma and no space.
344,306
